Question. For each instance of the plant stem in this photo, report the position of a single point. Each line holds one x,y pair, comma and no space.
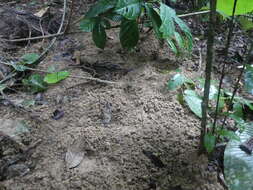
208,72
231,28
247,62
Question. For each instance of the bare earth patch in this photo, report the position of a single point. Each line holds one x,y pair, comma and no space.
150,141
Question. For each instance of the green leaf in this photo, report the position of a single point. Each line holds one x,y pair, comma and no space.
231,135
245,23
237,109
187,32
179,40
129,33
209,142
242,6
167,14
238,165
19,67
130,9
213,92
194,102
155,19
29,58
172,45
248,79
105,23
100,7
177,81
114,17
53,78
87,24
241,124
180,98
35,83
246,102
99,35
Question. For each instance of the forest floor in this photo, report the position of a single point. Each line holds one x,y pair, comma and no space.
132,135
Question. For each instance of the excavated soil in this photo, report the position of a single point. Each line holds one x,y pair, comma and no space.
131,136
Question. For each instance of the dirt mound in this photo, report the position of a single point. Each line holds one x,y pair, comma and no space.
132,136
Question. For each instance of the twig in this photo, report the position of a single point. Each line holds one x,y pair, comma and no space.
195,13
43,55
81,77
70,15
97,80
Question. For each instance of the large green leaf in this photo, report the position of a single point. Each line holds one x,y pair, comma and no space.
209,142
155,19
238,165
177,81
130,9
167,14
53,78
129,33
194,102
87,24
35,83
100,7
237,109
242,7
186,30
248,79
29,58
231,135
99,35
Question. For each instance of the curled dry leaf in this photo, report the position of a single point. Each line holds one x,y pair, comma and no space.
74,155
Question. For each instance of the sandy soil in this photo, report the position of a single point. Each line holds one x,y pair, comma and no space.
132,136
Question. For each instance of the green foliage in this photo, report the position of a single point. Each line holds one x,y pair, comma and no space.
209,142
130,9
100,7
26,59
35,83
245,23
177,81
194,101
53,78
29,58
98,34
248,79
155,19
238,165
242,6
129,33
131,13
88,24
231,135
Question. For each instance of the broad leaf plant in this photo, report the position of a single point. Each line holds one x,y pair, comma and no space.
133,14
